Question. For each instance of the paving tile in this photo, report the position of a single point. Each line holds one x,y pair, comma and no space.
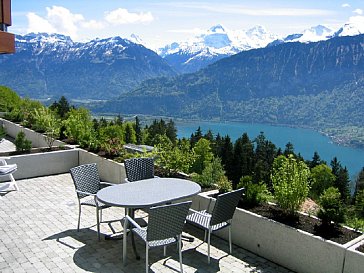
39,235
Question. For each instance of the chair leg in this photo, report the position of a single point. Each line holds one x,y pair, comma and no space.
204,236
98,223
13,182
79,215
230,245
208,245
146,258
164,251
180,252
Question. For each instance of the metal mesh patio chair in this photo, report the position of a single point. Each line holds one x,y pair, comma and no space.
8,170
165,227
139,168
220,217
87,183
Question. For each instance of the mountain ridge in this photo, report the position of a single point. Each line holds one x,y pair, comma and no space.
52,65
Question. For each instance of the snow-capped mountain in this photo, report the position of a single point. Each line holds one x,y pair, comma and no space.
352,28
212,45
313,34
51,65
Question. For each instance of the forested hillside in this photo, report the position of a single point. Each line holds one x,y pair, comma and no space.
320,85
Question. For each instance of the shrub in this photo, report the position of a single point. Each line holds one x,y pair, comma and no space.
211,175
322,179
21,143
359,203
2,132
224,185
331,207
255,193
290,183
79,127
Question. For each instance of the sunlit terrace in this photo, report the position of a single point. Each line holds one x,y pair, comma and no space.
39,234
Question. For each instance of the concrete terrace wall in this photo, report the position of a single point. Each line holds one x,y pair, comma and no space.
57,162
37,139
292,248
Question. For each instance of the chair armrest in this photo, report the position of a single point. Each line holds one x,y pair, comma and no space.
85,193
131,220
104,184
200,213
3,160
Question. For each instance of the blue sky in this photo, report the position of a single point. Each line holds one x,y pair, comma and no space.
162,22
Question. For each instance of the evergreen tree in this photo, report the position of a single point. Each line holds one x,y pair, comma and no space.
342,181
359,183
265,152
289,150
196,136
61,107
138,131
217,148
130,136
227,153
316,160
209,136
171,131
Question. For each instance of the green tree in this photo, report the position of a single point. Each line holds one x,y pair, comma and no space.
196,137
203,154
21,143
226,155
8,99
331,207
212,173
322,179
61,107
265,153
289,149
130,136
359,182
171,131
342,180
316,160
79,127
290,182
138,131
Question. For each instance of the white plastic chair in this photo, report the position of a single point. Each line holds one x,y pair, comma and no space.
8,170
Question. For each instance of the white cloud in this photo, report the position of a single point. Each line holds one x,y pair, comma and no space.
38,24
193,30
345,5
122,16
358,11
358,21
93,24
64,21
243,10
58,20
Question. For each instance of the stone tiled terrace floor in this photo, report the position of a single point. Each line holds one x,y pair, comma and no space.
38,234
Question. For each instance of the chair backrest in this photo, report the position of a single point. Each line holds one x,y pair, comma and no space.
167,221
139,168
86,178
225,206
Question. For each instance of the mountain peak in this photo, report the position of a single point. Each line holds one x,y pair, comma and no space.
217,29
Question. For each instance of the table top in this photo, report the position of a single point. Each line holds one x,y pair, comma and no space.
148,192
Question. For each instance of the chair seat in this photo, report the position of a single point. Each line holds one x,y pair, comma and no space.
204,222
8,169
142,233
91,202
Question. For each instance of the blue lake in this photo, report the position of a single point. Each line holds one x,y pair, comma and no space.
305,141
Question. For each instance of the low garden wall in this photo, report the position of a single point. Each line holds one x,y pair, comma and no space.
354,260
38,140
292,248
